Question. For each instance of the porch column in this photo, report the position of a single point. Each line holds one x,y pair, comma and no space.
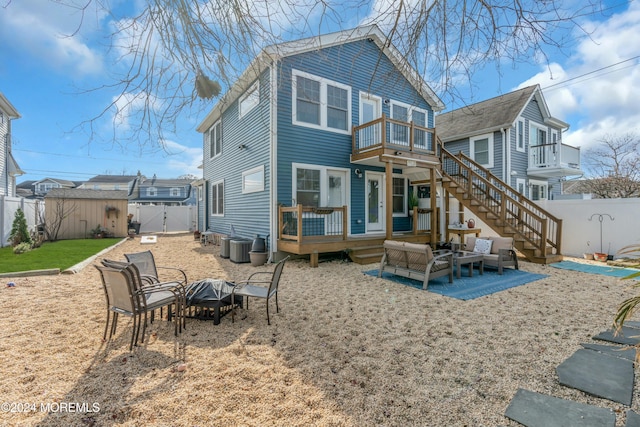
434,207
389,200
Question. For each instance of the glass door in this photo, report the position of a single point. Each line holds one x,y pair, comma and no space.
336,198
375,202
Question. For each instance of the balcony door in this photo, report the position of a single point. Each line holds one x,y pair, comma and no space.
375,202
336,198
370,110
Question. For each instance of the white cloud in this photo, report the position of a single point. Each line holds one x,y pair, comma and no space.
52,33
597,103
184,160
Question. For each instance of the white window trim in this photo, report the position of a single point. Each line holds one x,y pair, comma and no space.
364,96
535,127
151,190
216,183
176,190
323,102
210,137
472,151
410,109
405,208
251,172
524,134
523,182
323,181
542,184
252,98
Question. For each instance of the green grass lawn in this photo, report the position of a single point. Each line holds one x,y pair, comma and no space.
61,254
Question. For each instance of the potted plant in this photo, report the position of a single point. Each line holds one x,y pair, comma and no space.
98,232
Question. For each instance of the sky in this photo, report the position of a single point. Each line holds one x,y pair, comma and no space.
47,76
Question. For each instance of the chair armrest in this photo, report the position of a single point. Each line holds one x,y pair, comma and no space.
448,255
506,253
184,275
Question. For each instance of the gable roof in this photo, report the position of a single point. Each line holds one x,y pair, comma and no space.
85,193
8,108
112,178
276,52
492,115
62,182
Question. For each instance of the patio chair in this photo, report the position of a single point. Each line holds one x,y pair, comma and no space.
151,293
501,254
124,297
149,273
252,288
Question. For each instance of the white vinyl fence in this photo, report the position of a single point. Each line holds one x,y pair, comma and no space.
8,208
164,219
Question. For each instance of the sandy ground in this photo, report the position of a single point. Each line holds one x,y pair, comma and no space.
346,349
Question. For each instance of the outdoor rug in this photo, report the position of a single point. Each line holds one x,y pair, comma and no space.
467,288
606,270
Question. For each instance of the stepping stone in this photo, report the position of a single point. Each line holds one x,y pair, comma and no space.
533,409
633,419
617,351
632,324
628,336
598,374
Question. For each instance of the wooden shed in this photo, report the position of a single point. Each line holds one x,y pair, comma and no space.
83,210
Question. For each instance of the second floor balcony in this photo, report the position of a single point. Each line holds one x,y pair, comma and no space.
386,138
554,160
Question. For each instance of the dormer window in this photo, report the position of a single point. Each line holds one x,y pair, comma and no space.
152,192
175,192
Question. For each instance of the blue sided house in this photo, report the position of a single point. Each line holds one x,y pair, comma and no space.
328,144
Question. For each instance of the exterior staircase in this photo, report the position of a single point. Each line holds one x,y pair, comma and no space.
536,233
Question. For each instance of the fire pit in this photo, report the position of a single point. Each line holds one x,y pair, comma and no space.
210,299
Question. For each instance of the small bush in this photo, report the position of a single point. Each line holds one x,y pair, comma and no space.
19,231
22,248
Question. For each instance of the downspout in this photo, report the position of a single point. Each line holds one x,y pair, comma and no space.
506,159
273,145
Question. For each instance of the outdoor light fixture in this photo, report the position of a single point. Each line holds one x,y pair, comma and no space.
358,173
242,146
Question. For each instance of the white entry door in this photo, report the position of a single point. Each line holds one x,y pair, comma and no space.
375,202
370,110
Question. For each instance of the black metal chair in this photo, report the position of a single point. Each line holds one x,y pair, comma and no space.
251,288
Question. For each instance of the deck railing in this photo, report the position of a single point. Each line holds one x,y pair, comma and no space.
300,223
532,223
390,133
554,155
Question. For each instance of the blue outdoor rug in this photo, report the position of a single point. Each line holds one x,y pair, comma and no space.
605,270
466,287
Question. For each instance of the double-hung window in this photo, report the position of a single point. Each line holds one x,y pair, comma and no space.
401,132
250,99
152,192
520,142
399,196
175,192
481,148
217,198
215,139
321,103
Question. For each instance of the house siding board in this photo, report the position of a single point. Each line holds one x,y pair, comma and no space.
247,213
4,173
350,64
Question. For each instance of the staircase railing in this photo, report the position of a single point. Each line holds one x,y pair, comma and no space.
514,211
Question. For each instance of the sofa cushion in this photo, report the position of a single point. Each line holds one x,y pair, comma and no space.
483,246
501,243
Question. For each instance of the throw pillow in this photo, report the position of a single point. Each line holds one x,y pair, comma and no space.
482,246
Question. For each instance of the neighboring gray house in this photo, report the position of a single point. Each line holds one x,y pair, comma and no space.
9,168
109,182
169,192
43,186
516,138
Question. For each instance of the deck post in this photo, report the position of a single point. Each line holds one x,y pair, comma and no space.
299,232
389,200
313,259
345,223
434,208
